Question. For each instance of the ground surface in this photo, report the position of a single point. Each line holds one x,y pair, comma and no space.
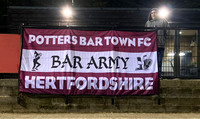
99,116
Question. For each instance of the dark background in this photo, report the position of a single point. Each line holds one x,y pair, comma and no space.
4,17
105,3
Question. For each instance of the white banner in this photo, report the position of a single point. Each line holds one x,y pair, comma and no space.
97,62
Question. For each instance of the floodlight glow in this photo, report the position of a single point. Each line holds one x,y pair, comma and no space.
67,12
182,54
163,13
170,54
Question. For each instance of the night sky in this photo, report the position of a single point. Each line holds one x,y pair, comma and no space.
107,3
140,3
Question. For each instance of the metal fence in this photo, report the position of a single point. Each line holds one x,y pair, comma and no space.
182,56
182,53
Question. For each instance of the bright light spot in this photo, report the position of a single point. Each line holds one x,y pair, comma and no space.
180,32
181,54
163,12
170,54
67,12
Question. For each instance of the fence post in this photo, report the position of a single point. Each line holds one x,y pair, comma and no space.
176,54
198,51
21,29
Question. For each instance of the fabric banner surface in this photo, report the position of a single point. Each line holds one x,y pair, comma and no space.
74,62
